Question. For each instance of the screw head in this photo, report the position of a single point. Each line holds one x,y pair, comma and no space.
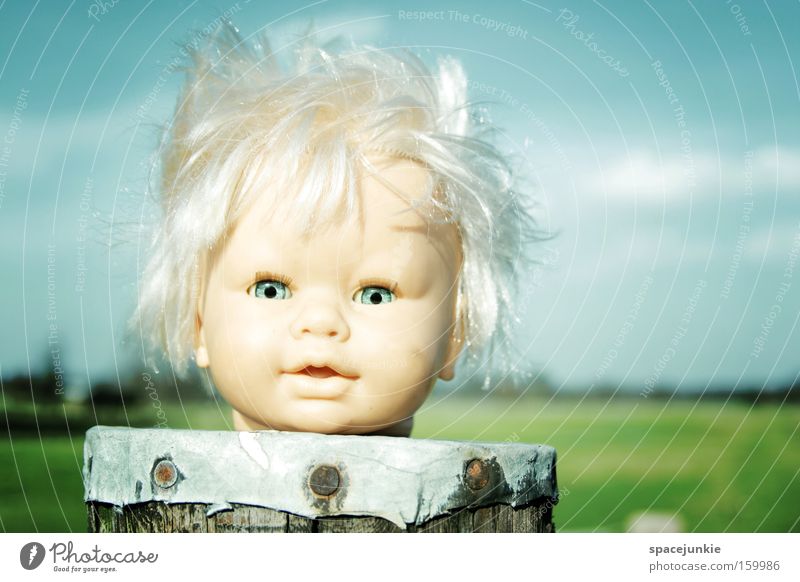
165,474
477,474
324,480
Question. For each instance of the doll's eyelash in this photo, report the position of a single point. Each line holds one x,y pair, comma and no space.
286,280
390,285
267,276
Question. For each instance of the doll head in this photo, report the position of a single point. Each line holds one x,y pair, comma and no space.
334,235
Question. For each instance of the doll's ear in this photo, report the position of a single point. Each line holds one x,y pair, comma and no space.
200,351
454,347
457,333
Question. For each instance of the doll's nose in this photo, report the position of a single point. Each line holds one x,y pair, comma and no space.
320,319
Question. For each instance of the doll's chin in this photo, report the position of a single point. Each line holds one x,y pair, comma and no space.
319,416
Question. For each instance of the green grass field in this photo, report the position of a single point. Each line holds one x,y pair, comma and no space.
717,467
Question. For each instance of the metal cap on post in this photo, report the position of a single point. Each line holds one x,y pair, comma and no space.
183,480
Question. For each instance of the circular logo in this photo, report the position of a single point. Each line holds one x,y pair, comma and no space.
31,555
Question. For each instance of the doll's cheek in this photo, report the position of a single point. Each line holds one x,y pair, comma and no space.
417,364
260,339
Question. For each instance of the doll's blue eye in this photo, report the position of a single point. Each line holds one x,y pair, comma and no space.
270,289
374,295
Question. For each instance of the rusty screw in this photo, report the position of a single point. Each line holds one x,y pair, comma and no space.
324,480
165,474
476,475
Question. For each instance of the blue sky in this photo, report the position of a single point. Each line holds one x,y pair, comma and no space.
663,140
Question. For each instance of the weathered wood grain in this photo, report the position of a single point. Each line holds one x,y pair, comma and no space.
191,518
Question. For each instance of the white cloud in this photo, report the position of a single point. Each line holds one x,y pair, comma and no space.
641,175
648,179
773,242
777,166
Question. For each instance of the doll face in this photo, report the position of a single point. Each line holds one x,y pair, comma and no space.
342,331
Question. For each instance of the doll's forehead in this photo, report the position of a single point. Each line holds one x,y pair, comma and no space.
375,216
391,205
385,222
388,192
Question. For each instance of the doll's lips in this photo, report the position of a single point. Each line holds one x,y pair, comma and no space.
320,382
324,371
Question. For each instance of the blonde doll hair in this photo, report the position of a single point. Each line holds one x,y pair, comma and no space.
246,126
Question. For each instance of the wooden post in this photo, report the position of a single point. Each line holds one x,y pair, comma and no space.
155,480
